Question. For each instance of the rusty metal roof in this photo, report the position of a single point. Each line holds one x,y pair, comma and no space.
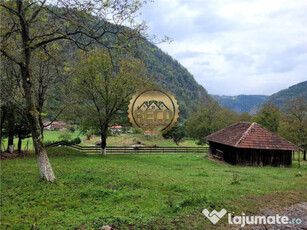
251,136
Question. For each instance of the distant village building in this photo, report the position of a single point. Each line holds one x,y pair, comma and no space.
116,129
246,143
56,125
151,133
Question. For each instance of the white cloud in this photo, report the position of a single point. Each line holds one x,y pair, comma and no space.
235,47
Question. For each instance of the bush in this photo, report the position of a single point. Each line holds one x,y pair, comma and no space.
65,136
72,129
76,141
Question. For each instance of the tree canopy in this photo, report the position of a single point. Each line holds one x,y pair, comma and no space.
103,85
29,26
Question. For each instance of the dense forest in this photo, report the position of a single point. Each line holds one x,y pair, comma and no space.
281,98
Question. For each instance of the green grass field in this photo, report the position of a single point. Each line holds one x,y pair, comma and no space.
131,139
136,191
117,140
49,136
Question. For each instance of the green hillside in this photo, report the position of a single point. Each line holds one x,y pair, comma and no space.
171,75
240,103
283,96
166,71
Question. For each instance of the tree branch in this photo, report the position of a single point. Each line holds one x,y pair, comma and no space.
10,58
34,15
10,9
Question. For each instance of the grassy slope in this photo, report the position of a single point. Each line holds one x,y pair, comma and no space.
145,191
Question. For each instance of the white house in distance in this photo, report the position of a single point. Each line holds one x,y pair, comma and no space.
151,133
116,129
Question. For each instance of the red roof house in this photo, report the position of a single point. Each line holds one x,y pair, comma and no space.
56,125
246,143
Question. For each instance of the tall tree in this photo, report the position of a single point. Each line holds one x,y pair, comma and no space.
269,117
208,119
103,86
177,133
293,125
11,103
27,26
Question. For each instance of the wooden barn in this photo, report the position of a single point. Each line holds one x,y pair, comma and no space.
246,143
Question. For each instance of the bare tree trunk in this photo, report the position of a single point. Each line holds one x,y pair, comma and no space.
1,141
304,154
41,124
103,151
3,116
31,111
299,162
19,140
10,143
11,131
103,134
40,151
103,144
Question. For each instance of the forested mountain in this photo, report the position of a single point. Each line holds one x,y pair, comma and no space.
283,96
171,75
240,103
168,73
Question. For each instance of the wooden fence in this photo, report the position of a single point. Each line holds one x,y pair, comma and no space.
131,150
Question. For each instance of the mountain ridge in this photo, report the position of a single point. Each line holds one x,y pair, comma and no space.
283,96
239,103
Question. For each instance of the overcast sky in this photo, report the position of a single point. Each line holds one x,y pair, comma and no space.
237,46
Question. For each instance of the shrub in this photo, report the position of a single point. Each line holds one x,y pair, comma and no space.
65,136
72,129
76,141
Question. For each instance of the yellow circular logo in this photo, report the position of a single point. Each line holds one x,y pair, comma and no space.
153,109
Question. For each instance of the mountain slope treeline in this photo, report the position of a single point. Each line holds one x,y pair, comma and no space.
171,75
281,98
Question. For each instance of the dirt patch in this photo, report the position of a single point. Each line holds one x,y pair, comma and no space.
14,155
285,203
296,213
279,199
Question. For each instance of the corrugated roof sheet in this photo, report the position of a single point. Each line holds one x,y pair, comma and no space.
250,135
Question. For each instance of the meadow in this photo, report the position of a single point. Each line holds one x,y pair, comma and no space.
138,191
114,140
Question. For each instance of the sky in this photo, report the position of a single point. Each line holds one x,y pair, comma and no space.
234,47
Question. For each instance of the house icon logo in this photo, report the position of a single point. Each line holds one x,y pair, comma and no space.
153,105
153,109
